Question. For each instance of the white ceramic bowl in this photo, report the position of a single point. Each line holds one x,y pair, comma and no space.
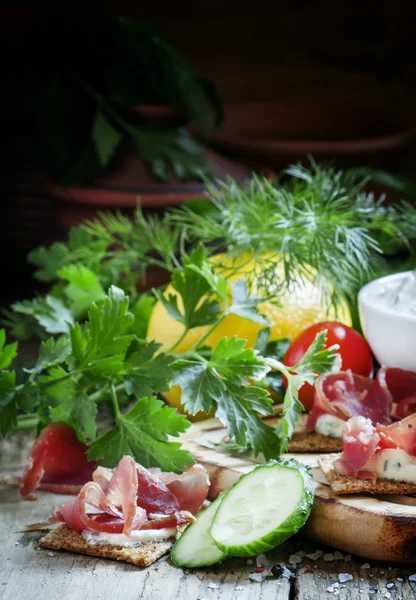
390,334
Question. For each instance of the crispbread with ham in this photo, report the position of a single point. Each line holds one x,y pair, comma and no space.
369,452
344,484
142,555
135,504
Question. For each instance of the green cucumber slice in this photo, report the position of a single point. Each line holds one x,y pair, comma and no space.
196,548
264,508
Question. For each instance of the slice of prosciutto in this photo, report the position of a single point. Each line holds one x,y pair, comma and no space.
361,440
117,506
57,462
345,395
190,488
131,497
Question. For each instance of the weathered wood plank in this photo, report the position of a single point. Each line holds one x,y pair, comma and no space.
27,572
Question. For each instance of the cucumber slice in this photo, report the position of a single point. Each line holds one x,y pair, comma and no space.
264,508
196,548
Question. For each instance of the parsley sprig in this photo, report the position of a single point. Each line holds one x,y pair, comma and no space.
104,362
99,362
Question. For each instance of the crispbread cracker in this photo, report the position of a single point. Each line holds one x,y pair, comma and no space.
343,484
310,441
141,555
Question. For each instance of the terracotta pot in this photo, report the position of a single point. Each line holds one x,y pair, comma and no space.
280,133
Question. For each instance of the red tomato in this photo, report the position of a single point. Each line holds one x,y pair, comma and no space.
354,351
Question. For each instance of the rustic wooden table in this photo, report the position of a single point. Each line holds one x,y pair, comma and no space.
26,572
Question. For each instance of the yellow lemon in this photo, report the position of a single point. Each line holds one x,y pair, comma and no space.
302,305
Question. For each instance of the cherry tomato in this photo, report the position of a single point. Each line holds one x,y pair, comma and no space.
354,350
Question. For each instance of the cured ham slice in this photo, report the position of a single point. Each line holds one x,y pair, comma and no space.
57,462
180,517
190,488
405,407
119,502
153,494
361,440
131,497
401,434
346,395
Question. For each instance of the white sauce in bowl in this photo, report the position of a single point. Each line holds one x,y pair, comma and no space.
398,295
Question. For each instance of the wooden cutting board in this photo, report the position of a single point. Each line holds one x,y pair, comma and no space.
376,527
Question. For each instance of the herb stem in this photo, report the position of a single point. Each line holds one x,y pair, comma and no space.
29,421
208,333
115,401
178,341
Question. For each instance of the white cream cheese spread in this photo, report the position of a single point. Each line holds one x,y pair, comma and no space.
394,464
136,537
330,426
399,294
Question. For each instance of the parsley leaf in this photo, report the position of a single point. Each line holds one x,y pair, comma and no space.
104,335
49,260
143,433
224,383
274,349
194,289
238,409
245,305
105,137
7,352
83,288
78,411
49,312
145,373
317,359
51,352
142,310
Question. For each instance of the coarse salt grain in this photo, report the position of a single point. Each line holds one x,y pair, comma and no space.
51,554
286,572
239,588
387,595
328,557
258,577
262,560
315,555
348,558
389,585
249,561
399,579
333,587
344,577
295,559
365,566
212,586
338,555
300,553
412,577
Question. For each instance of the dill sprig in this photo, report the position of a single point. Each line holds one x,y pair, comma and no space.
320,225
314,224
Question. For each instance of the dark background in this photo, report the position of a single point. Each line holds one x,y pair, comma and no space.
355,52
